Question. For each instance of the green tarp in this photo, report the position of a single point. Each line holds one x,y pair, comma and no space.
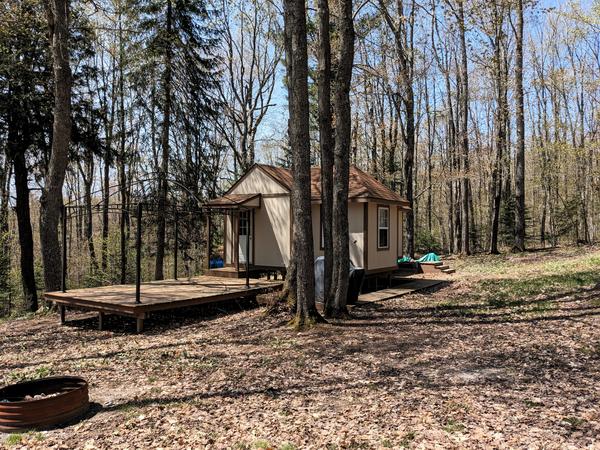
429,257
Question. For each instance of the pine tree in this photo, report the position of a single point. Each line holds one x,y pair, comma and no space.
177,43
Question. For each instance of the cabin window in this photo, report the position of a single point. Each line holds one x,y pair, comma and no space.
383,227
244,224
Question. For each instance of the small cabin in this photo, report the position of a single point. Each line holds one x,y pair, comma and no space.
258,222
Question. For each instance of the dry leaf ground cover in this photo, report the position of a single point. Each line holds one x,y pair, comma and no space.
506,355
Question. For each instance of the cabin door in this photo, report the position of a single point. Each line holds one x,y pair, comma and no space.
245,234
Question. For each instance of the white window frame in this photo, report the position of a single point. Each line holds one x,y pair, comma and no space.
380,227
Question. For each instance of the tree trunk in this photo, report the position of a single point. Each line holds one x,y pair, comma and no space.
297,58
25,233
464,134
343,132
500,126
520,151
105,206
51,200
327,152
405,62
87,174
164,169
123,190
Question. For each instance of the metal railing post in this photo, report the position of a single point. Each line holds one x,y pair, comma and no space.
64,249
247,249
176,249
138,256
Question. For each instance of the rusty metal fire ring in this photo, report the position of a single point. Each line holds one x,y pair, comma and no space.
43,403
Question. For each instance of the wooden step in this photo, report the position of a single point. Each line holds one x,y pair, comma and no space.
432,263
449,270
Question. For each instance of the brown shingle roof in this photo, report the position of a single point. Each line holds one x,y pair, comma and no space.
362,185
231,200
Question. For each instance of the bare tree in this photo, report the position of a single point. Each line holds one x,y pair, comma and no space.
252,50
343,130
520,152
297,69
327,148
51,200
464,132
404,101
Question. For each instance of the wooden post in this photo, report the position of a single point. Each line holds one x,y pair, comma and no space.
138,256
247,250
61,310
139,324
64,249
237,243
100,320
208,239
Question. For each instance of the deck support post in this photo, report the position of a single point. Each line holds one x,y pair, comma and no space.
100,320
248,250
139,324
176,249
138,256
64,249
237,243
61,311
208,239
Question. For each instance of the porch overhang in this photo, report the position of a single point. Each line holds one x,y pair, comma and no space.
234,202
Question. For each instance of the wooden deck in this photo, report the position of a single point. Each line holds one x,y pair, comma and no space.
408,287
255,271
158,296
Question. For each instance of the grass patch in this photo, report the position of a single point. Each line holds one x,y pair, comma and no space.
261,444
452,426
509,292
287,446
13,439
407,439
281,343
386,443
575,423
20,376
532,403
241,446
542,307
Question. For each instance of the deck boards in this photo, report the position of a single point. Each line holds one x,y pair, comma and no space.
404,289
161,295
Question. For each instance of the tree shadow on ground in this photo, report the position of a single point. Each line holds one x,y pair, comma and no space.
158,322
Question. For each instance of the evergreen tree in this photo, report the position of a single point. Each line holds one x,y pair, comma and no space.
177,42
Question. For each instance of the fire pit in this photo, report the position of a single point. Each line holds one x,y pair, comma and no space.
42,403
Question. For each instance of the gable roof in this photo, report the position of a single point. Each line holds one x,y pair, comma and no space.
231,200
361,186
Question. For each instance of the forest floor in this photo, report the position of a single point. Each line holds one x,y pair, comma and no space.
504,355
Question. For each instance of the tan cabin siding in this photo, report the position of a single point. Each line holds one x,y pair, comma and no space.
272,232
316,229
356,228
400,231
355,224
258,182
382,258
271,220
229,240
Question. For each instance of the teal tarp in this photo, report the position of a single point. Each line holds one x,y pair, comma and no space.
429,257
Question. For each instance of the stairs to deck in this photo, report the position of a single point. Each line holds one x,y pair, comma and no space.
436,267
